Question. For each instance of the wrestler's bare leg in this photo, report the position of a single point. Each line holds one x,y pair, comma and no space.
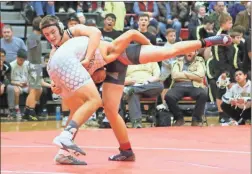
159,53
91,102
111,108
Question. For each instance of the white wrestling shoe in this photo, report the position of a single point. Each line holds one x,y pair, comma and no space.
65,142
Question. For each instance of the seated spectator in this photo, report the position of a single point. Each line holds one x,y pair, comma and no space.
213,7
81,17
72,20
219,9
237,100
63,6
141,81
5,72
5,86
19,78
166,20
90,7
166,68
149,8
180,11
42,7
244,18
237,7
198,18
119,10
1,28
143,23
188,73
11,44
247,57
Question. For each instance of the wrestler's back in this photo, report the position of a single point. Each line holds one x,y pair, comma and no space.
64,66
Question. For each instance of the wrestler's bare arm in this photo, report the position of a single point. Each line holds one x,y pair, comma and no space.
94,35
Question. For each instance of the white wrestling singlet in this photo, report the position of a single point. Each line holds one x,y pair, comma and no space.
65,69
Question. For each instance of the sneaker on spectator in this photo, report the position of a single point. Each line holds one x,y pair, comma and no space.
179,122
231,122
11,114
61,10
71,10
196,123
136,123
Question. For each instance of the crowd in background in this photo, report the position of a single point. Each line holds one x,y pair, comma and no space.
218,74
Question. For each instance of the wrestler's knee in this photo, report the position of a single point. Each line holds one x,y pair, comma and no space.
110,111
132,32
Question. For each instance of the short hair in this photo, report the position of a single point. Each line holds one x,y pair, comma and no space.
2,51
91,22
22,53
239,29
234,33
208,19
144,15
224,17
73,17
243,71
112,15
198,7
170,30
36,22
7,26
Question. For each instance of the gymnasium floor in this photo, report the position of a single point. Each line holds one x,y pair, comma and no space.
26,148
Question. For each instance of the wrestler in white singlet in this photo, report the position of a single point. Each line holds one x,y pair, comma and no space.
65,69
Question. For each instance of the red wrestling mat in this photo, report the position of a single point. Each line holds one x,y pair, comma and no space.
182,150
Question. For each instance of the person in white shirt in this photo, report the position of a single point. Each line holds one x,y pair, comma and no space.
19,77
237,99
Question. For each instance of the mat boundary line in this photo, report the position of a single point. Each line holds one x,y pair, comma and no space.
136,148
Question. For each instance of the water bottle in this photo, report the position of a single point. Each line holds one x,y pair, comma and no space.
131,21
58,114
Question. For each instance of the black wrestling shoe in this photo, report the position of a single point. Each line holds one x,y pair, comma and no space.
221,39
124,155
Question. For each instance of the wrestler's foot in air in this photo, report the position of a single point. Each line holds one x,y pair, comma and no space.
124,155
68,160
64,141
218,40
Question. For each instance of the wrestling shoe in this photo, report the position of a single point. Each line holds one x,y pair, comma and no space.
124,155
221,39
64,141
68,160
